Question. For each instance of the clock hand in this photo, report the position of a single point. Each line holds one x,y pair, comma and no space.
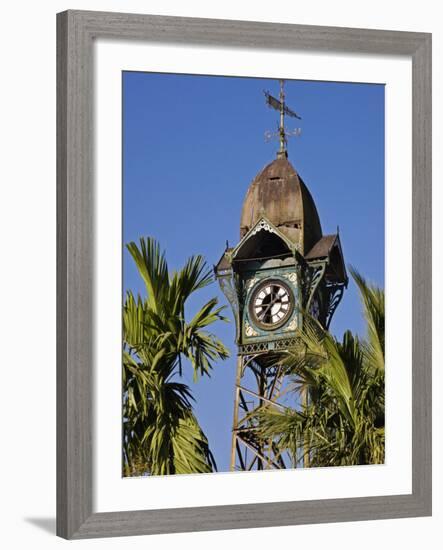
271,303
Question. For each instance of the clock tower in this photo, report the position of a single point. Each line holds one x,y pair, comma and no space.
282,268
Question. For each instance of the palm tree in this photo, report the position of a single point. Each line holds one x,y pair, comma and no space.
342,421
161,434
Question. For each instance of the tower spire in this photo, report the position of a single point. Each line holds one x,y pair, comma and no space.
283,140
282,133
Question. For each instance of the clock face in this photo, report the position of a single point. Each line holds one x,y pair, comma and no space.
271,304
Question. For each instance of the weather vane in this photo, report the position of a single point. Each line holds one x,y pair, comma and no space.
281,133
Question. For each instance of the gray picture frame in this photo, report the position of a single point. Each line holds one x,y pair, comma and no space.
76,32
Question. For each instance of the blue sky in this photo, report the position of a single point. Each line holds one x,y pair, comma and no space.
191,147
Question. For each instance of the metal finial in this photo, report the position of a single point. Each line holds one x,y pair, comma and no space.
282,133
283,140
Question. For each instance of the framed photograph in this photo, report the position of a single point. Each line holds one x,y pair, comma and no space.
239,203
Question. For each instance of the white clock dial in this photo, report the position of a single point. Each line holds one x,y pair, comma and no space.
271,304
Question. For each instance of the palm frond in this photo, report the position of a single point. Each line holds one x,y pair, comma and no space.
373,300
153,269
161,434
343,420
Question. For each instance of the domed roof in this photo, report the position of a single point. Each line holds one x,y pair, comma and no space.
279,194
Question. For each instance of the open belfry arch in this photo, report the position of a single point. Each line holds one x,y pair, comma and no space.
282,267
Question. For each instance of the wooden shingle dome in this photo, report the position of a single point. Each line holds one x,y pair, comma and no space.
279,194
